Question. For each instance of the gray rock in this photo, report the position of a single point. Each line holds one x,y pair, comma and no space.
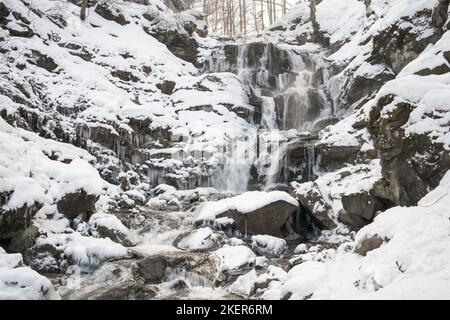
359,209
25,239
369,244
166,86
319,210
15,221
110,13
76,203
265,220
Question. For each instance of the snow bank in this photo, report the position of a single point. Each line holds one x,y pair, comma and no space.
26,169
245,202
413,263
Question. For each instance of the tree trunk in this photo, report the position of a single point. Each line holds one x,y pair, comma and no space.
83,10
315,25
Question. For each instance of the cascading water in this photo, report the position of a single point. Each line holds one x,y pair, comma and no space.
289,88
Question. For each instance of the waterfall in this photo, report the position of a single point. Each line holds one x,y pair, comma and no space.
290,87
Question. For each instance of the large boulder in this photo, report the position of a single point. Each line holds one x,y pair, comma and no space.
15,221
359,209
252,212
368,244
268,246
110,13
76,203
317,207
411,165
109,226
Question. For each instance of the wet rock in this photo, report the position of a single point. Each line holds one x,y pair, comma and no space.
359,209
76,203
318,209
43,61
15,221
166,86
333,157
154,269
300,159
265,220
323,123
110,13
129,290
368,244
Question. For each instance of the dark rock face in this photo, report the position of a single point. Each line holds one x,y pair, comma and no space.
124,75
397,51
109,13
74,204
14,221
369,244
266,220
411,166
43,258
180,44
316,206
334,157
43,61
359,209
166,86
24,240
300,159
440,13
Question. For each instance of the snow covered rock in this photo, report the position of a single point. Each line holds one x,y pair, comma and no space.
268,246
18,282
25,284
109,226
252,212
199,240
312,200
234,257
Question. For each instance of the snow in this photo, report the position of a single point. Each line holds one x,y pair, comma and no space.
413,264
243,203
233,257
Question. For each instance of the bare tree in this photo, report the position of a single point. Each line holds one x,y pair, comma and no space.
83,10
